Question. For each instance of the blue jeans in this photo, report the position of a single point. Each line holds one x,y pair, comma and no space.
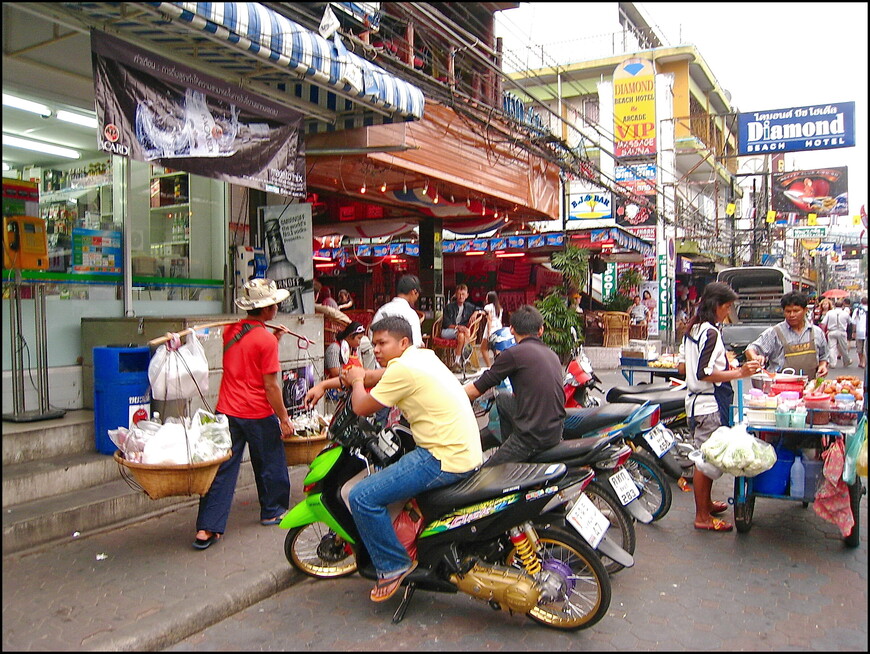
263,437
414,473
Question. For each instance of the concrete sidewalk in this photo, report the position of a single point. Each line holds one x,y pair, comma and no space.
143,587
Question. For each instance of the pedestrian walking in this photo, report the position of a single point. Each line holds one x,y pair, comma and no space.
251,398
835,323
859,326
494,313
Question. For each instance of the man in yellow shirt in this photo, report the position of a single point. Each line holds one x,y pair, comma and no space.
445,432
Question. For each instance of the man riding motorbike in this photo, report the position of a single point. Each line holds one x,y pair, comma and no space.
445,432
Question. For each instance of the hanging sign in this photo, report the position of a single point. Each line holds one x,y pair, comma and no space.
156,110
634,108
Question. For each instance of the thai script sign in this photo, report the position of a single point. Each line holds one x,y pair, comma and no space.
818,127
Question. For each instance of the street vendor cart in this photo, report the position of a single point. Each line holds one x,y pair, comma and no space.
821,432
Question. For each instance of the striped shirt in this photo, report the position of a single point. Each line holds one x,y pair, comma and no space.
770,347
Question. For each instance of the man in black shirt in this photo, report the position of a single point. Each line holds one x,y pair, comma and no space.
457,313
531,419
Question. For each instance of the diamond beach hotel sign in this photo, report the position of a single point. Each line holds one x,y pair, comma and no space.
819,127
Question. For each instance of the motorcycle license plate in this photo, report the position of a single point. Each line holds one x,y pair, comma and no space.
624,486
660,439
589,522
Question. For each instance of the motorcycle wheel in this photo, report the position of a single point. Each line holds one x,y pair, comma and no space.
621,524
655,490
319,552
576,587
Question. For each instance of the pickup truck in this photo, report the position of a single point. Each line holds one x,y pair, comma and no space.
759,290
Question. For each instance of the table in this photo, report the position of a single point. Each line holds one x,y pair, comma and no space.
629,371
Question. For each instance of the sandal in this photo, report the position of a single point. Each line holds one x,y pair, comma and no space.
205,543
716,525
386,588
719,507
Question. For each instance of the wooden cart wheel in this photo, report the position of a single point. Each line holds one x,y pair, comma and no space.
744,504
856,490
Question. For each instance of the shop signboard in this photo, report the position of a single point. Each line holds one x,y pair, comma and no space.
637,179
664,293
159,111
797,129
288,238
634,108
608,281
635,211
587,202
820,191
808,232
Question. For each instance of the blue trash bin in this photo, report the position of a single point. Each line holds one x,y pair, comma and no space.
122,393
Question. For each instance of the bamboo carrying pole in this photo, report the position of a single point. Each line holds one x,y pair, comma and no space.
163,339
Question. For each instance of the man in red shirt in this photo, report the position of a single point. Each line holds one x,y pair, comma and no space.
250,396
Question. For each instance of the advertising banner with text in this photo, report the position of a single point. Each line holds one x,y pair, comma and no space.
821,191
819,127
155,110
634,108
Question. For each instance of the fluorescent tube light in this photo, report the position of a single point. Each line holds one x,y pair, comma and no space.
78,119
26,105
39,146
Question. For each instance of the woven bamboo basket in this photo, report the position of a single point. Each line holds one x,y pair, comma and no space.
303,449
168,480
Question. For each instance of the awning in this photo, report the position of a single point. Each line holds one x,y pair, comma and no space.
271,36
251,45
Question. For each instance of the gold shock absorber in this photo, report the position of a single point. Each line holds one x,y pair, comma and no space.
525,551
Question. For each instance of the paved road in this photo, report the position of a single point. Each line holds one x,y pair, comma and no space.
789,584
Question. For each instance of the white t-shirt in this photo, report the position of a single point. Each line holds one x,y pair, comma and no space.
859,322
700,396
493,323
836,320
399,306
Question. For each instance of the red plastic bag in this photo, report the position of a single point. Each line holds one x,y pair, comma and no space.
408,525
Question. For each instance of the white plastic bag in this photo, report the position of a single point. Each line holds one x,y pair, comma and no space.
180,374
737,452
169,445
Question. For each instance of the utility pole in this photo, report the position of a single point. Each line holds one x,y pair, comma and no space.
733,227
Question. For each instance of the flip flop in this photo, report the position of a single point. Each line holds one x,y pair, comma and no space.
716,525
205,543
719,507
272,521
386,588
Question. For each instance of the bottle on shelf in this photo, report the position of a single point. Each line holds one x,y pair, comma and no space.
281,271
796,477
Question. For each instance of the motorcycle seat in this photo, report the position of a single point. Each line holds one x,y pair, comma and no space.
567,451
669,401
582,422
489,483
615,392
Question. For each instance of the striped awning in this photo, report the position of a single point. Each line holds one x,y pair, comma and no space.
249,44
271,36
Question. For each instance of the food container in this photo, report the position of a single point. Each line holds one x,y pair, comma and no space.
844,402
822,405
761,416
799,418
781,381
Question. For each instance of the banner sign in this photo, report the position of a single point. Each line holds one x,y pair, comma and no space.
634,108
664,294
635,211
588,202
159,111
818,127
823,191
639,179
808,232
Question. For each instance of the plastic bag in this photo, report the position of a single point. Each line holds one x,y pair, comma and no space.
861,464
737,452
408,525
179,374
854,442
167,446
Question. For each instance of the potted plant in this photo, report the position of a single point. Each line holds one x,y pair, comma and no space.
559,316
629,281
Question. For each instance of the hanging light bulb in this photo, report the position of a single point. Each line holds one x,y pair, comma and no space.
404,187
495,215
452,200
384,187
426,187
468,202
362,189
483,208
507,218
435,199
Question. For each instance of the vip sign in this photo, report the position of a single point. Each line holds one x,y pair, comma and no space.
664,293
608,282
634,108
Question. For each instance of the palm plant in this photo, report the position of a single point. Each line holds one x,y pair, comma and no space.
559,317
